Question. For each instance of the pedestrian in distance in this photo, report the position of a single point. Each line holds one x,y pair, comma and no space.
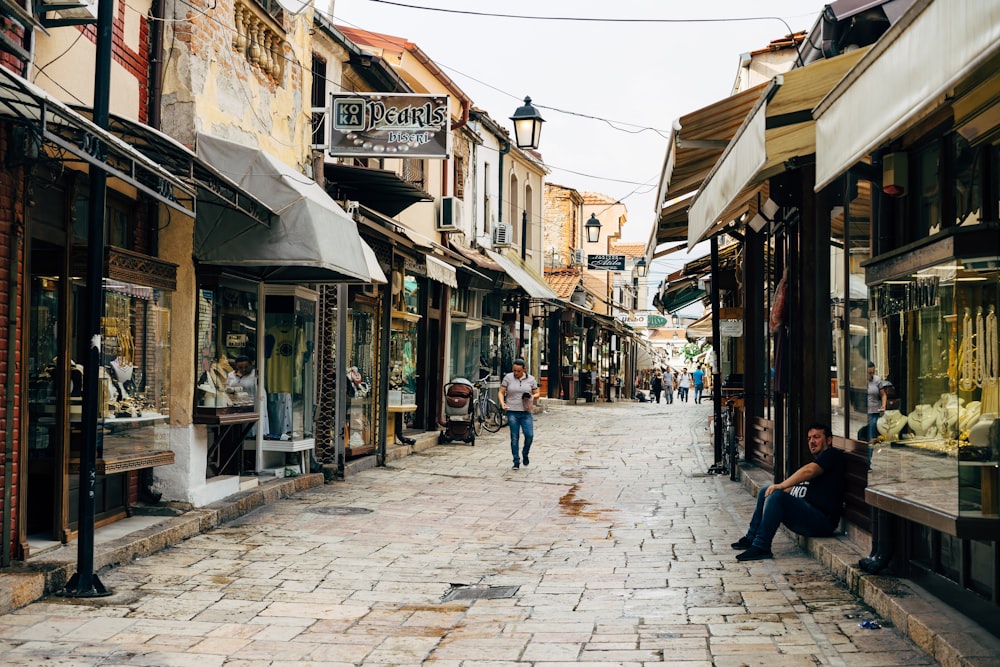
684,385
657,385
808,502
877,399
668,386
518,391
698,380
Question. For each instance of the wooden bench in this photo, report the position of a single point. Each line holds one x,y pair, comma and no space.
760,443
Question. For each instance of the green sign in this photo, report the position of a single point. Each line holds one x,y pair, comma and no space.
655,321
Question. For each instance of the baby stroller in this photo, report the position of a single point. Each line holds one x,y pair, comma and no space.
459,398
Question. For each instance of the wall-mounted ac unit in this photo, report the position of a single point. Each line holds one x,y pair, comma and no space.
578,258
503,235
450,219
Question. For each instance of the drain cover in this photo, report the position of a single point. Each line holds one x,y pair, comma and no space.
480,593
339,510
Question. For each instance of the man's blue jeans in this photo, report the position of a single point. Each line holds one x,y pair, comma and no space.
873,425
520,420
782,508
698,388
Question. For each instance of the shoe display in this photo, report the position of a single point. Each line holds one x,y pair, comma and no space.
755,553
742,543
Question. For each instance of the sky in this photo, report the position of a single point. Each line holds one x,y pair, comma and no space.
608,90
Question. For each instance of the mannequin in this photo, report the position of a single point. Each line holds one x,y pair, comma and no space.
923,421
979,433
890,424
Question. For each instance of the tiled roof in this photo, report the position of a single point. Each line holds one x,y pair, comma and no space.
598,198
629,249
376,40
563,281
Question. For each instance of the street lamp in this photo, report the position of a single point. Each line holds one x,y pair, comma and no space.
640,268
527,125
593,227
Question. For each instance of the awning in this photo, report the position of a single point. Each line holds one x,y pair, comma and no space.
909,73
643,359
313,239
701,327
696,141
533,284
70,137
371,262
442,272
682,294
379,189
214,189
779,129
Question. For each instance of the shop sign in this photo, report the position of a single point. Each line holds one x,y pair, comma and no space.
606,262
653,321
414,267
236,340
386,125
730,328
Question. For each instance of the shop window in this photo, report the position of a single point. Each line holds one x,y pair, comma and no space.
939,448
968,193
994,212
289,379
928,191
226,331
362,387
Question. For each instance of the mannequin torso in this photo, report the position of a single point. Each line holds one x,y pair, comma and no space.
890,424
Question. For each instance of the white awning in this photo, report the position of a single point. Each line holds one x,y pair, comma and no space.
313,241
371,261
778,129
533,285
909,73
442,272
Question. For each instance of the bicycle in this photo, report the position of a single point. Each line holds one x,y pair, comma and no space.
486,413
730,441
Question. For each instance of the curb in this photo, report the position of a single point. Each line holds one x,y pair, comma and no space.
24,583
951,638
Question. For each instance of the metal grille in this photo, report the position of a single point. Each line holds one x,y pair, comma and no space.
326,418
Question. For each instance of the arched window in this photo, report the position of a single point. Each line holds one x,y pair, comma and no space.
513,218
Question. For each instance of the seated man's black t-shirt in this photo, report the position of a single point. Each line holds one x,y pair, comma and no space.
825,492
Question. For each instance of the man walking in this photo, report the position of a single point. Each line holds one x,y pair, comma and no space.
684,385
517,395
698,379
657,385
809,502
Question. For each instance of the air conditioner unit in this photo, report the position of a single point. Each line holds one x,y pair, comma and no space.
450,219
578,258
503,235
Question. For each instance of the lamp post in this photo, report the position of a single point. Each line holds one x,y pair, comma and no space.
527,132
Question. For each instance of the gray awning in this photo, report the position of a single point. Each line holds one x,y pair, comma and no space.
909,73
532,284
313,239
69,137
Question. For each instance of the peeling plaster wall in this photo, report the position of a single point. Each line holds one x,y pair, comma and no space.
211,87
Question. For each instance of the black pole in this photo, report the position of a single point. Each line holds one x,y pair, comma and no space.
85,583
717,347
523,304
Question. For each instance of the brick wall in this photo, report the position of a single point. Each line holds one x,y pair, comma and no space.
11,213
557,230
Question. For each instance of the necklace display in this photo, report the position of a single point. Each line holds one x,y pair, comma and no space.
991,363
890,424
967,354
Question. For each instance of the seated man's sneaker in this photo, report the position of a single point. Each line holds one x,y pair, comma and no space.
755,553
742,543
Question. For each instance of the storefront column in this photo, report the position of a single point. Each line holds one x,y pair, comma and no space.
755,370
811,332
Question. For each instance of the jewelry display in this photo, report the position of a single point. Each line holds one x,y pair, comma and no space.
969,415
923,420
891,424
991,363
967,354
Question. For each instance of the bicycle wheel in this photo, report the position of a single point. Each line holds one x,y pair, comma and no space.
493,417
478,418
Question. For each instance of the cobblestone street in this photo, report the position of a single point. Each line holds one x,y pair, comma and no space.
612,547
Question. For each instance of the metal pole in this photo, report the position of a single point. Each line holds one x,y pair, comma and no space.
523,304
85,583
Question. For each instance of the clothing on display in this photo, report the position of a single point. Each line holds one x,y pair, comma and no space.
285,352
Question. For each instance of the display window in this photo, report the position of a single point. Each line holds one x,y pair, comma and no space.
226,338
362,385
938,444
289,338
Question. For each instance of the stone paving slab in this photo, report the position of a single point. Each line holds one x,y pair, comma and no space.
615,539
